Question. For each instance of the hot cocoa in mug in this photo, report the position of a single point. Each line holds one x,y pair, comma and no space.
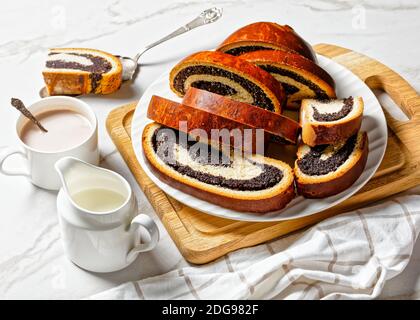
72,131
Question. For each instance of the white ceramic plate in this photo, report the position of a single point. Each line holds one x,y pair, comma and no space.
347,84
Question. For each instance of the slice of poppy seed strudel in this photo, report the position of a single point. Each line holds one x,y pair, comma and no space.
266,36
330,121
326,170
80,71
230,76
300,77
244,183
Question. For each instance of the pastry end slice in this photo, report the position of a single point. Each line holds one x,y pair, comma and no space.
283,128
330,121
266,36
73,71
323,171
243,183
207,125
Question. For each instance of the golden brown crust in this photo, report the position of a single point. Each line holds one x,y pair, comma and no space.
334,186
236,65
278,36
273,199
170,114
314,135
297,64
244,113
276,202
319,133
109,83
79,82
293,60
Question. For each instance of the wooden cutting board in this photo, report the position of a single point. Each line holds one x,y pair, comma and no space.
202,238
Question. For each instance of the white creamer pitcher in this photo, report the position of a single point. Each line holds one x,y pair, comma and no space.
100,239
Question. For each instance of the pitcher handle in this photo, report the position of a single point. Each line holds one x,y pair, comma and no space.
147,223
6,154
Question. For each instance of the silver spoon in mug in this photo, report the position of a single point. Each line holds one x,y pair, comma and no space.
20,106
130,65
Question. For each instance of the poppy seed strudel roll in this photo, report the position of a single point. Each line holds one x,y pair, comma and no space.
300,77
244,183
330,121
266,36
326,170
230,76
80,71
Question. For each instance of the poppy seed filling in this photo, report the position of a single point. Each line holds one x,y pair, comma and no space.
312,164
290,88
260,98
99,64
164,149
237,51
97,68
320,94
334,116
214,87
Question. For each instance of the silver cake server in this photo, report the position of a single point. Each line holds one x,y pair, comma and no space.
130,65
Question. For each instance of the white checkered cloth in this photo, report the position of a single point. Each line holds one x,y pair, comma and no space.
349,256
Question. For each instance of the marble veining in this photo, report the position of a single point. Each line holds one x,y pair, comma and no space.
21,265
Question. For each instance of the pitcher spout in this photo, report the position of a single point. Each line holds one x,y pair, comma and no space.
65,167
93,190
64,164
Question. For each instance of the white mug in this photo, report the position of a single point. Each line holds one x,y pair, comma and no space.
100,241
39,165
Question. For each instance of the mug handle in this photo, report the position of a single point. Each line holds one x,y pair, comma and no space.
10,172
146,222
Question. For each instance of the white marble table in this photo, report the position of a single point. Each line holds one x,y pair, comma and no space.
32,261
